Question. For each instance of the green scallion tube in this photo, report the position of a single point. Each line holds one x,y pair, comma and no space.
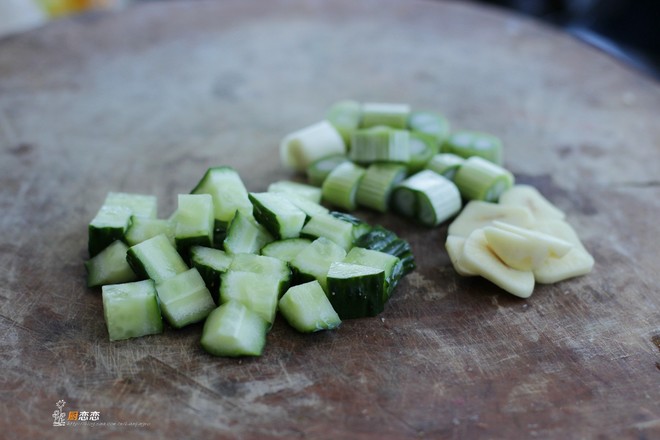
345,116
422,148
380,144
428,197
445,164
390,115
471,143
430,123
376,186
318,170
480,179
340,187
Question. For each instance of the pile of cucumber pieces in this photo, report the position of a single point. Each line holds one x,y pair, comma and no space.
234,259
388,156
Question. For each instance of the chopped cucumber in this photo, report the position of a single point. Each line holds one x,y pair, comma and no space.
210,263
113,218
285,250
184,298
384,240
256,291
109,266
194,222
131,310
355,291
390,264
309,192
277,214
313,262
228,192
156,258
305,205
234,330
245,235
307,309
142,229
330,227
360,227
264,265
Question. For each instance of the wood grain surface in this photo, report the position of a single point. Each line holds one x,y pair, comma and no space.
144,100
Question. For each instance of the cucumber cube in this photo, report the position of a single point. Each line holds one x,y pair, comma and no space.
184,298
313,262
257,292
355,291
234,330
156,258
195,223
131,310
109,266
307,309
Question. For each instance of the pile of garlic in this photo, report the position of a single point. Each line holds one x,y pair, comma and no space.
522,240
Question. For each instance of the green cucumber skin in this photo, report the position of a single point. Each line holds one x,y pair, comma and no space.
136,264
358,297
384,240
101,238
265,217
183,246
211,279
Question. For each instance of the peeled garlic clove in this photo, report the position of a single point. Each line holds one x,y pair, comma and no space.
479,258
515,250
477,214
530,198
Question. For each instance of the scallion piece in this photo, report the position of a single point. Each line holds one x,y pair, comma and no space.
340,187
318,170
301,148
430,123
471,143
391,115
345,117
376,186
445,164
480,179
427,197
380,144
422,148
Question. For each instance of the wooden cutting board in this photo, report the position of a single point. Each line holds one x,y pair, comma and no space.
144,100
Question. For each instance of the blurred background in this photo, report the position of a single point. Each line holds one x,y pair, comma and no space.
627,29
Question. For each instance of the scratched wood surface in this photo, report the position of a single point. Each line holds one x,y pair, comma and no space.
144,100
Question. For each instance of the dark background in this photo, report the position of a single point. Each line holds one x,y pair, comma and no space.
627,29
